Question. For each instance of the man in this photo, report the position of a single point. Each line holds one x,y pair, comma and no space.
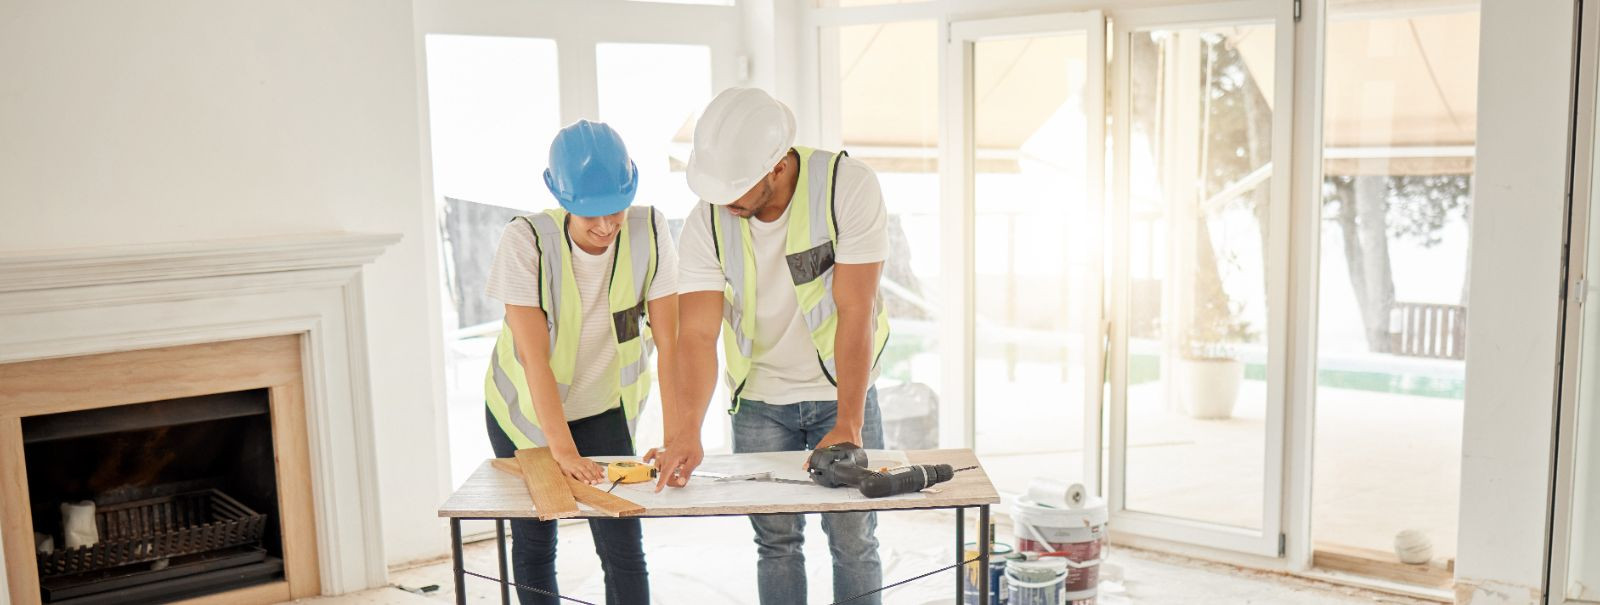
783,258
583,285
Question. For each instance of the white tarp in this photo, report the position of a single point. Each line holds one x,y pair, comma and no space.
708,492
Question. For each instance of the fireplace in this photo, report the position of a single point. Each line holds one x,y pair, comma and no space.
183,493
211,399
164,475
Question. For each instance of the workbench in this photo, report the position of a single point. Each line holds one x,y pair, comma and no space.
490,494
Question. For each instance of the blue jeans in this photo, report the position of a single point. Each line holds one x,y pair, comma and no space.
781,571
619,542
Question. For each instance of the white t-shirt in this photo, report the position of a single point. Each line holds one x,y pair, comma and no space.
513,280
785,369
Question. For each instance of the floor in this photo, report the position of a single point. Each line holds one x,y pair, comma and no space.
712,562
1384,462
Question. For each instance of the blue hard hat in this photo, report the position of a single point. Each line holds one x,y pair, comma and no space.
590,172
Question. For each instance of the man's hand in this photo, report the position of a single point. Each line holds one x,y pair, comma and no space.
841,433
578,467
676,460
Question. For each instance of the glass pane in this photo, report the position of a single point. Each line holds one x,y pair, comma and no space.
1032,264
1583,564
651,94
1201,175
492,110
889,112
1399,120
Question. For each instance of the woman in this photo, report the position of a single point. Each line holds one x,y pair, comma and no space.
587,288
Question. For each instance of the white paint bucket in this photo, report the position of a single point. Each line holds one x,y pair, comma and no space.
1036,582
1076,536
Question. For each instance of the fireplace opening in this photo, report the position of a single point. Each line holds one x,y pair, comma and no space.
154,502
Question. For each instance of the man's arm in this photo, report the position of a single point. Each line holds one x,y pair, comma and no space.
664,323
530,331
855,288
863,245
700,321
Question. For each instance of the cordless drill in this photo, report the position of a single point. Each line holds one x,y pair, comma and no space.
845,464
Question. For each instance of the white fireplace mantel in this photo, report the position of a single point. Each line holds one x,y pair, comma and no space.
102,300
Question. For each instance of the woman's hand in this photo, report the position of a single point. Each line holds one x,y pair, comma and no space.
578,467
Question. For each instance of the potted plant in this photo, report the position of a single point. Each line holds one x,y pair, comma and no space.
1209,369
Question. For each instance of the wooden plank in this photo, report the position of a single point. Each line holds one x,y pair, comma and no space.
507,465
489,493
47,386
1380,564
605,502
16,520
546,484
598,499
291,446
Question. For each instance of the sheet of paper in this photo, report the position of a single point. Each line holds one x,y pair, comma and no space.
706,491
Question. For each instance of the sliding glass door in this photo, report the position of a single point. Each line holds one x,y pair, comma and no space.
1029,101
1200,273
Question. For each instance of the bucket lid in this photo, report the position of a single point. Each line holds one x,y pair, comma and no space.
1092,514
1000,549
1042,563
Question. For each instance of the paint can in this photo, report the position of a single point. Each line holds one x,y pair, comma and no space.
1077,536
998,554
1036,582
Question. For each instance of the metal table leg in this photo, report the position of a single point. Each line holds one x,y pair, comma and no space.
505,579
961,552
983,554
456,562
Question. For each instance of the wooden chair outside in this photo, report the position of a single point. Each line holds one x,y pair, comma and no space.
1428,330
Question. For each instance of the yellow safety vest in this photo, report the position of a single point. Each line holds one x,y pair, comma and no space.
809,248
633,269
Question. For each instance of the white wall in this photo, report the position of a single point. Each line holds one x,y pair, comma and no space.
165,120
1524,101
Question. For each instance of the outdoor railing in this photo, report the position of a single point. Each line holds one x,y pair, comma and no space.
1428,330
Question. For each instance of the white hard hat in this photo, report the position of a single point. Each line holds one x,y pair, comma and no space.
742,134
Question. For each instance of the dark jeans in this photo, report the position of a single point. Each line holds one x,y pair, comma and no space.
619,542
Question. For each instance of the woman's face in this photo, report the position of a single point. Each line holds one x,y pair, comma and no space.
595,233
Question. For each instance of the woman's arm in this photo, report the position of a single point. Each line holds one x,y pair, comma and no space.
530,331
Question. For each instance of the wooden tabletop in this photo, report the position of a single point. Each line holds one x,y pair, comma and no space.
492,494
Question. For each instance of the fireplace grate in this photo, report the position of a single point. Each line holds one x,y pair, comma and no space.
159,528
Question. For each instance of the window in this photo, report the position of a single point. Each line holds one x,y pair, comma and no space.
1398,132
888,118
500,85
1200,198
651,94
492,109
1035,267
1582,575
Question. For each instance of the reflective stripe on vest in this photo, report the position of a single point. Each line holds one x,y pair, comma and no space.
809,243
633,269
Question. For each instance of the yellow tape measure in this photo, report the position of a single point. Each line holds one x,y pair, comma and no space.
629,472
